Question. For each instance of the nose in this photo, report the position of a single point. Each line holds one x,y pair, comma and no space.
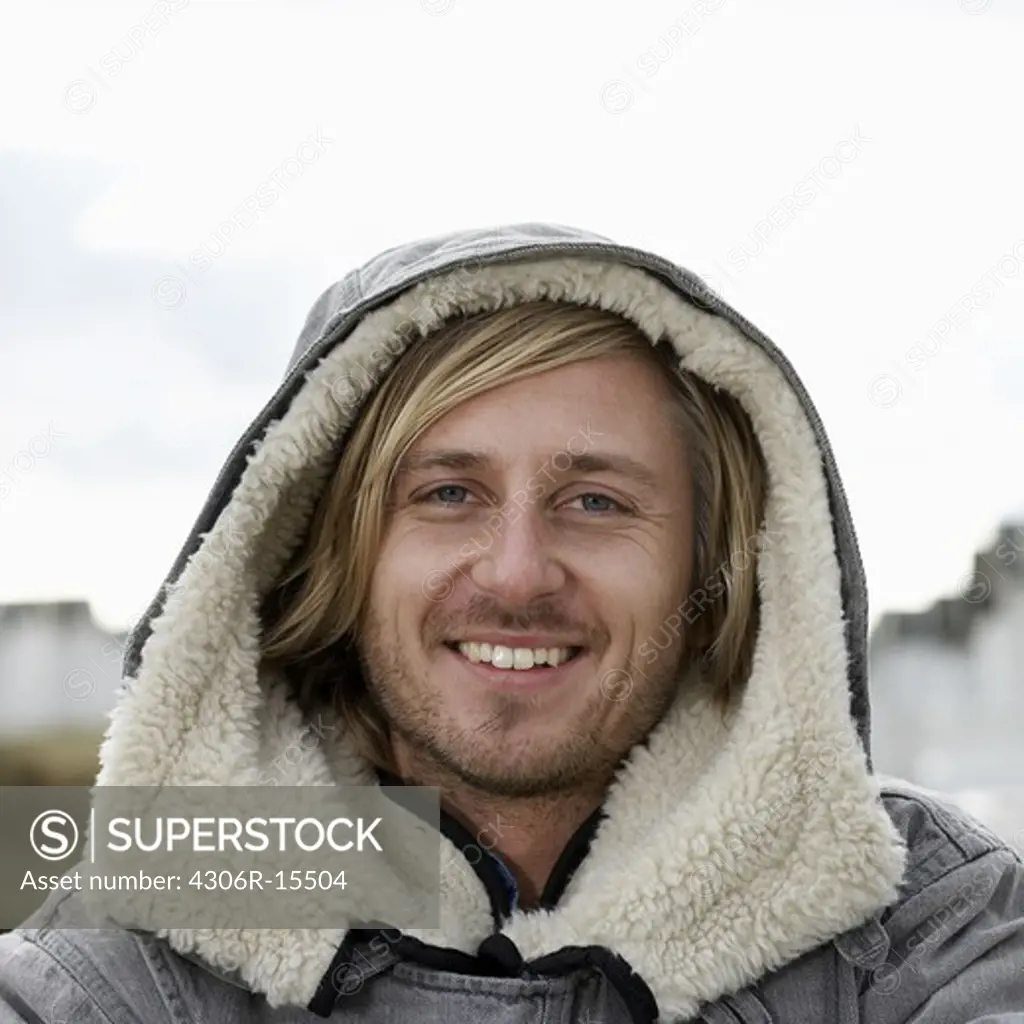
514,558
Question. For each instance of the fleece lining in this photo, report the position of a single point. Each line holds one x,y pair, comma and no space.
730,847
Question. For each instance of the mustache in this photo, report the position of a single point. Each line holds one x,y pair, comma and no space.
485,614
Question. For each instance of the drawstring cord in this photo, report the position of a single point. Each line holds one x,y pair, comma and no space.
498,955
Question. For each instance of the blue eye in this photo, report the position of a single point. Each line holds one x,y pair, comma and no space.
615,506
444,487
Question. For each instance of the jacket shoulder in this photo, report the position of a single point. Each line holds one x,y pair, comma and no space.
953,941
948,950
52,972
940,837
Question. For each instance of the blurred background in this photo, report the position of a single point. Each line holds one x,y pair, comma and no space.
179,181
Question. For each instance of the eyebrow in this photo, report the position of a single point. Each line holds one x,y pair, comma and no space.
585,462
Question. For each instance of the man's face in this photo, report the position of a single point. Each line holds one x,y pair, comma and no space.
516,523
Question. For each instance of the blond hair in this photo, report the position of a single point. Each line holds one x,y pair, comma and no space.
314,616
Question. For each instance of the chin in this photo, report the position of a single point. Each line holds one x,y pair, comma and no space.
516,780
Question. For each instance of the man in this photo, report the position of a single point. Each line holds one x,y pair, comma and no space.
538,520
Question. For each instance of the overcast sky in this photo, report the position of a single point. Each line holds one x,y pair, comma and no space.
844,178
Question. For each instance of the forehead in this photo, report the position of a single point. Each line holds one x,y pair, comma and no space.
623,396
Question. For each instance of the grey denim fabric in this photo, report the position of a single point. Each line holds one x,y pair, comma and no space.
951,951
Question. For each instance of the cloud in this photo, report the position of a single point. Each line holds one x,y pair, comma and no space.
136,388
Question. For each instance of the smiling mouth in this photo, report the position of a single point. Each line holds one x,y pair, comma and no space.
515,659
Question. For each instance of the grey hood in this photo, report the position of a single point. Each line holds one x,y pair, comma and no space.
728,849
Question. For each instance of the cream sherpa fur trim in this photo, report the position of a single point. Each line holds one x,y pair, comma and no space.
729,849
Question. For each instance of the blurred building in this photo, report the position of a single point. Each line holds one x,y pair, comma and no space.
58,668
947,688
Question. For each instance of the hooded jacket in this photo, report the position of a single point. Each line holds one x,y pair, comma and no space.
754,872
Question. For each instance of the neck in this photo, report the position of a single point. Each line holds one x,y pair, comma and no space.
528,833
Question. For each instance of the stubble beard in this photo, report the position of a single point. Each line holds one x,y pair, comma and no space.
582,757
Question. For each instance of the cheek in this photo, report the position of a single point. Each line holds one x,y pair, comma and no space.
396,568
407,584
410,557
655,603
384,594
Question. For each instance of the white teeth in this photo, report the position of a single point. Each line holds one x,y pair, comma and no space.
520,658
504,657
